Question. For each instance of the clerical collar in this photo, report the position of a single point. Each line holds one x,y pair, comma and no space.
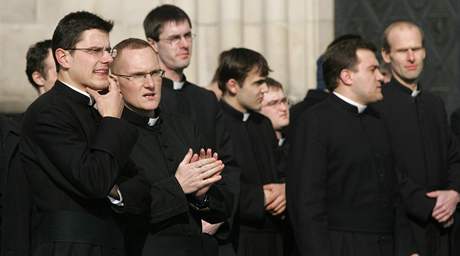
360,107
281,141
141,120
91,100
152,121
415,92
234,112
246,116
178,85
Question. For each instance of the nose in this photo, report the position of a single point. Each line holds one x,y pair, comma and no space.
149,81
107,57
263,88
410,55
379,75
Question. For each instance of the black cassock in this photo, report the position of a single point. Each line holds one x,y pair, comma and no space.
426,150
202,107
254,142
170,225
342,189
72,158
15,197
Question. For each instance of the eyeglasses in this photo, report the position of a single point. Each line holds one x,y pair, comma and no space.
141,77
273,103
175,39
97,51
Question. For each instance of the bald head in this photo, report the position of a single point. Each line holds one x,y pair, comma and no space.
399,26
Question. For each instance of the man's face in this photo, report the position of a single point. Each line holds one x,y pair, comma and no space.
406,54
86,68
251,93
50,71
140,82
175,46
275,107
367,79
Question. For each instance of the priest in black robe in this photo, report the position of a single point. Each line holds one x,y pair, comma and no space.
169,30
72,152
342,185
241,77
424,146
184,187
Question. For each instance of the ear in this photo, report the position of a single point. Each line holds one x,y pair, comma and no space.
385,56
63,58
38,78
154,44
232,86
346,76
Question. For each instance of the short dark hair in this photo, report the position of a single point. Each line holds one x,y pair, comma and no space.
273,84
129,43
69,29
158,17
236,63
341,56
386,45
35,60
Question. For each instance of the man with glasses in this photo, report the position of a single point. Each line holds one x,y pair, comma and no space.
181,176
169,30
75,146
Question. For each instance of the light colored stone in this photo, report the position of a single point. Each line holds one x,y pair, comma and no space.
14,11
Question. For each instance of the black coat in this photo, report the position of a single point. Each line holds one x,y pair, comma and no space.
72,159
15,197
341,181
202,107
255,142
170,225
426,151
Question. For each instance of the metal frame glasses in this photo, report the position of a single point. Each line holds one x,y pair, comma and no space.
175,39
97,51
141,77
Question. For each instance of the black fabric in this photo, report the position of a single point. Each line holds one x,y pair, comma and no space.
254,142
15,197
427,153
72,159
169,226
202,107
341,177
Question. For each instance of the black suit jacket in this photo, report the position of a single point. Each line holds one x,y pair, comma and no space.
72,159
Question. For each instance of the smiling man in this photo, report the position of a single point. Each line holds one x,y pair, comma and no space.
184,186
342,185
424,146
73,153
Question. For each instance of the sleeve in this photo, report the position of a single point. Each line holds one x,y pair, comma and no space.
82,161
306,187
453,154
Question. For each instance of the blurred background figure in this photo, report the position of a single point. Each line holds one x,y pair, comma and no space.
40,67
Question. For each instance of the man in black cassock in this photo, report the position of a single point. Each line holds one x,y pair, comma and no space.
241,77
15,198
342,186
423,144
75,146
169,30
184,186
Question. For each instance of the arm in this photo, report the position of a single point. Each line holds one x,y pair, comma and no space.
306,187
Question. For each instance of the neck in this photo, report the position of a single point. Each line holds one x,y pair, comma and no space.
279,135
411,84
174,75
344,91
64,77
232,101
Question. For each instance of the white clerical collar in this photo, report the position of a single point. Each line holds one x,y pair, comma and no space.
415,92
152,121
281,142
360,107
91,100
246,116
178,85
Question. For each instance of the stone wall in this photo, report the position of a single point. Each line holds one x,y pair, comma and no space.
290,33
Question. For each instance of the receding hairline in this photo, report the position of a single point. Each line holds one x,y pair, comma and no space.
122,52
401,24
